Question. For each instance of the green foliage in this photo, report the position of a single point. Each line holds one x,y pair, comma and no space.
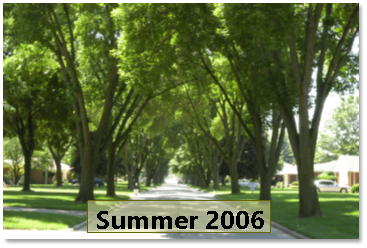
355,188
7,178
279,185
341,135
327,176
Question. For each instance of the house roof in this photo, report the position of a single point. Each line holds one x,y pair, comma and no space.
324,167
288,169
347,163
344,163
6,163
64,167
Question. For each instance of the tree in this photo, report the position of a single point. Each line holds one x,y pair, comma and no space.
12,150
82,38
341,135
25,97
306,46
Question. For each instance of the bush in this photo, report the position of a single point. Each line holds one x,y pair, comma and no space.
294,184
355,188
6,178
279,185
326,176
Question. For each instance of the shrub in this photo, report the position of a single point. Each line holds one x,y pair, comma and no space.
279,185
6,178
355,188
326,176
294,184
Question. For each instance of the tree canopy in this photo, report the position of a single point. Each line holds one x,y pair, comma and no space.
205,89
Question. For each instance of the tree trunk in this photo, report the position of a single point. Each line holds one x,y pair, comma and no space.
223,179
216,174
27,171
235,187
149,179
136,178
111,171
130,178
308,198
87,176
155,179
58,172
207,181
265,183
57,158
216,178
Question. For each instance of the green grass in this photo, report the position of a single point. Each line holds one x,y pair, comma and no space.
341,212
39,221
52,197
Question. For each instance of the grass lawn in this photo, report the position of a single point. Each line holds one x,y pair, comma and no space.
50,196
341,212
39,221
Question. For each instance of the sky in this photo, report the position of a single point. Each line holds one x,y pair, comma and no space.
333,100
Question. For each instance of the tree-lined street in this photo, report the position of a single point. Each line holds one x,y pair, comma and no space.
101,99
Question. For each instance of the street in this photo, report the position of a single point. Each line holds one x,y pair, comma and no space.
171,191
168,191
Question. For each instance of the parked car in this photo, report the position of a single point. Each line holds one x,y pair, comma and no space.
179,181
243,182
248,183
97,181
330,186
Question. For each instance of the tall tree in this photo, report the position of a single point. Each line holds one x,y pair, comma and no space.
26,98
341,133
308,38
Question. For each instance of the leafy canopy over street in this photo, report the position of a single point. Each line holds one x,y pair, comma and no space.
203,90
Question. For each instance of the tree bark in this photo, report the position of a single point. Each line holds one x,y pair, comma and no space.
111,171
235,187
149,179
223,180
27,171
58,172
87,176
57,158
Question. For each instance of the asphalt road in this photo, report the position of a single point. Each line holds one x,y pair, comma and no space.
165,192
182,192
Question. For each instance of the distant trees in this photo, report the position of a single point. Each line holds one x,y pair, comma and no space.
341,134
12,150
30,93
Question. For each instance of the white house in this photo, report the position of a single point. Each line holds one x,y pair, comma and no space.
346,169
65,172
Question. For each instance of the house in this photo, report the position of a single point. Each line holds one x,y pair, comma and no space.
39,175
6,166
346,169
288,174
65,172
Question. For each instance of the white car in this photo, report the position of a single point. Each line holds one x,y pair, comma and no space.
248,183
330,186
243,182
